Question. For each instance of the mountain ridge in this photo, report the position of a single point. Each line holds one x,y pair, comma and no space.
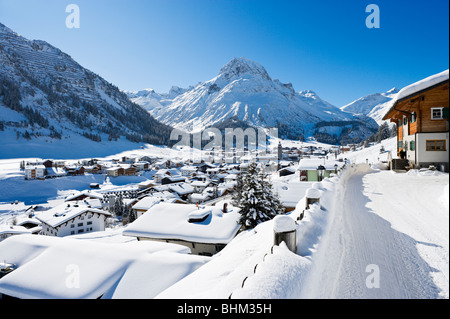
244,89
60,99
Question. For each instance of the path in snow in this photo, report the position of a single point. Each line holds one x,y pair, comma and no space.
360,235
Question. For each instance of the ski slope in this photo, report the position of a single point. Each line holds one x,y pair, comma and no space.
388,237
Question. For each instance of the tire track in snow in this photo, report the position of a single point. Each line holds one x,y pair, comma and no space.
358,237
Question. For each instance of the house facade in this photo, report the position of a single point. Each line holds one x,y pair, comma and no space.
72,219
11,230
420,112
35,172
205,231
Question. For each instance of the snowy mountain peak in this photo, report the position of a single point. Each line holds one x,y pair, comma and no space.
49,94
242,66
394,90
372,105
308,93
244,90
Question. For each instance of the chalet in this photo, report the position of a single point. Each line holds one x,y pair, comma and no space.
205,231
115,171
145,204
11,230
32,224
35,172
315,169
93,169
202,167
199,197
188,170
83,195
183,190
286,171
160,174
128,160
142,166
420,112
199,186
59,163
290,193
129,170
172,179
146,184
52,172
72,218
74,170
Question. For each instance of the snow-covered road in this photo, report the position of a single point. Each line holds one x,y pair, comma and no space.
388,237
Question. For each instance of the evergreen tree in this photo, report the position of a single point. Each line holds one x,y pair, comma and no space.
394,131
255,198
383,132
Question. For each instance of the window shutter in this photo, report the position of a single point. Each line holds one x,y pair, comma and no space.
445,112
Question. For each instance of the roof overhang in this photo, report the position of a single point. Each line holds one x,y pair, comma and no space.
390,113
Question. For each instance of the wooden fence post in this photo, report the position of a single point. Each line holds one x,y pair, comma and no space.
284,228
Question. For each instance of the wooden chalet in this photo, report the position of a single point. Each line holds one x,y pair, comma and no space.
420,112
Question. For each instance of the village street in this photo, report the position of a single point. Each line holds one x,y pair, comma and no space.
388,237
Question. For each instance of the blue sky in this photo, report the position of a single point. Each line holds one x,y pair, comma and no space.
323,46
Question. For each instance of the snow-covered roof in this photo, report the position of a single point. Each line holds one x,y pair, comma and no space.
171,221
422,85
175,178
198,196
314,163
189,168
147,202
12,229
35,167
64,212
418,87
59,268
182,188
201,183
290,193
148,182
87,193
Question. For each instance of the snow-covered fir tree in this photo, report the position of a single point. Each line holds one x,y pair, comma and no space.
255,198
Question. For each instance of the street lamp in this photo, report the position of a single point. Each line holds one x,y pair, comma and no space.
320,172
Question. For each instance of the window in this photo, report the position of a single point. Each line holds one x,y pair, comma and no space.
436,113
72,226
400,144
435,145
405,120
89,223
413,117
412,145
80,224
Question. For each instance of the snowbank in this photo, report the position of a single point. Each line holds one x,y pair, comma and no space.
251,267
421,85
283,223
53,267
186,222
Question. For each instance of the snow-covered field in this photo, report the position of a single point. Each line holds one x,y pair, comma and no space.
360,224
376,234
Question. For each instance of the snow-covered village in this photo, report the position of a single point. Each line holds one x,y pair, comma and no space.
238,187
